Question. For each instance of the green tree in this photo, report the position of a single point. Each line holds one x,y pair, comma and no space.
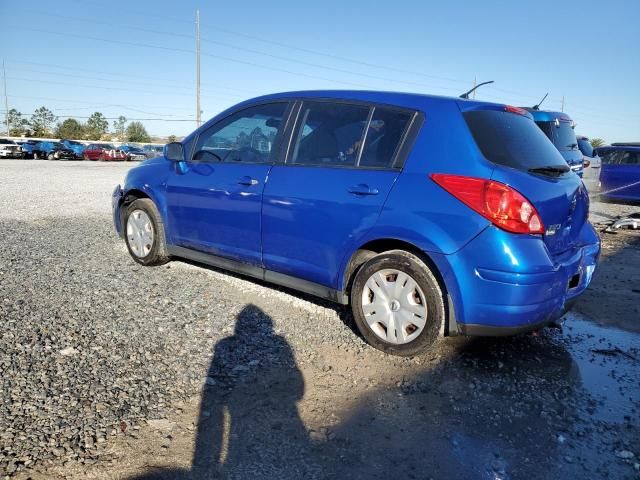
137,133
172,138
17,125
597,142
42,122
96,126
70,128
119,127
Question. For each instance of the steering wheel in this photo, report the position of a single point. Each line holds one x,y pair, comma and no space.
241,152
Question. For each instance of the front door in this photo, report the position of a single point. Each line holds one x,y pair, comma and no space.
214,198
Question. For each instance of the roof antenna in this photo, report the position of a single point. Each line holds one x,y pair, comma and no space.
466,95
537,107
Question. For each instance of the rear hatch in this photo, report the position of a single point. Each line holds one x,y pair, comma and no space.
527,161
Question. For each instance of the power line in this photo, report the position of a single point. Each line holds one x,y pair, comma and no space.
119,76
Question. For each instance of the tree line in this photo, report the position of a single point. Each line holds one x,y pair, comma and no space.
43,123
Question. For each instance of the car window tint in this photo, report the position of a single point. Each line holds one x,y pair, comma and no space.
611,157
330,134
247,136
630,158
383,137
512,140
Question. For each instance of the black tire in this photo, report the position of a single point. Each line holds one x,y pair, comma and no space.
413,266
158,253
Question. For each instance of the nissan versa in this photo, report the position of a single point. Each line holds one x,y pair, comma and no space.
428,215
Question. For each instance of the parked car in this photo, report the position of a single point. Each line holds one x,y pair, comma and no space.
10,149
589,156
103,151
77,147
133,152
27,148
428,215
52,151
152,151
559,128
620,172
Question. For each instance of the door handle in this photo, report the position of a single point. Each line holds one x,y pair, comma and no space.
248,181
363,189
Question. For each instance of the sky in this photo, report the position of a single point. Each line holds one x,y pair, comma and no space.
137,58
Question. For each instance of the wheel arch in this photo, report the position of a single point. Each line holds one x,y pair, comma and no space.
374,247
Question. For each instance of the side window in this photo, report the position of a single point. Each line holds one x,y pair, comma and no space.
630,158
385,132
247,136
329,134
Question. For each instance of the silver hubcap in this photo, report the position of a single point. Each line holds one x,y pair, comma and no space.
394,306
140,233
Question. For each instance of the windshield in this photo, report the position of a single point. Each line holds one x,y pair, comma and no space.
585,147
512,140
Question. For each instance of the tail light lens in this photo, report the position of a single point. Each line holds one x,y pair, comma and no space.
504,206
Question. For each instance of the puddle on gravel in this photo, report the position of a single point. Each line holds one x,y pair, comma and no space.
608,360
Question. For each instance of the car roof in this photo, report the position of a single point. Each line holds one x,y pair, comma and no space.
400,99
547,115
630,148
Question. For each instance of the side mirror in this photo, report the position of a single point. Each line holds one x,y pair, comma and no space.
174,152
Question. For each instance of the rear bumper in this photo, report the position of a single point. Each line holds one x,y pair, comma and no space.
503,284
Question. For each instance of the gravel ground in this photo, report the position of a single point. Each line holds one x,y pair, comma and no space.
112,370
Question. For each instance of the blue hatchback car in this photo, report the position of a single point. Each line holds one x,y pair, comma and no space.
559,128
428,215
620,172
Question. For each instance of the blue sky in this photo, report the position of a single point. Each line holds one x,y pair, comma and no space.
137,58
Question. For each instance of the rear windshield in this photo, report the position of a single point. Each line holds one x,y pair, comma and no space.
512,140
564,137
585,147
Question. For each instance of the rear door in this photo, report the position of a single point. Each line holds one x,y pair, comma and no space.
214,199
340,167
620,173
525,159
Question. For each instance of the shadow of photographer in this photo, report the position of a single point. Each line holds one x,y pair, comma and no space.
248,424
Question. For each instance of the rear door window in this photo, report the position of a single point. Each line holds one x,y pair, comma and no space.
512,140
329,134
385,133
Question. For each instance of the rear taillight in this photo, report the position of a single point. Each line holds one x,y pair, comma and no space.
504,206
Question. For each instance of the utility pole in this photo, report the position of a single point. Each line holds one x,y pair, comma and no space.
6,101
562,109
475,80
198,111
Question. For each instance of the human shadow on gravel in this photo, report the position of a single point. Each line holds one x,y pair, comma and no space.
248,424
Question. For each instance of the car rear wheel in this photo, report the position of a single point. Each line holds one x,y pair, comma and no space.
51,156
144,233
397,303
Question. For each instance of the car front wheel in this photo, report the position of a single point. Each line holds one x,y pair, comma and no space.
397,303
144,233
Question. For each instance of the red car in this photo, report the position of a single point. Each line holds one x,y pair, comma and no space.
103,151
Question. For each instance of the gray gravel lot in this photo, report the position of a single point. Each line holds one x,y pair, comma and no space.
112,370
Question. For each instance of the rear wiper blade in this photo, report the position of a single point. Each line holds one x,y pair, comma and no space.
572,146
551,170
